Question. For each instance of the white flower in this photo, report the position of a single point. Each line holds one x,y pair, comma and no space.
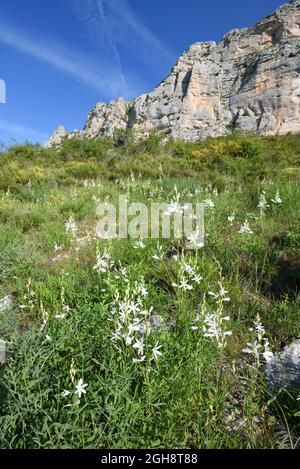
188,269
57,248
139,244
139,360
71,226
213,328
160,255
65,393
197,278
195,241
209,203
60,316
174,207
80,388
156,352
139,345
183,285
142,290
245,228
231,218
253,349
277,199
220,295
103,262
48,338
128,340
263,204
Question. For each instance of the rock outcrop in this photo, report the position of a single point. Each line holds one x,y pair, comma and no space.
283,369
249,81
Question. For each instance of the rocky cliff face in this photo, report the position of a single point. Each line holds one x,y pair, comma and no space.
249,81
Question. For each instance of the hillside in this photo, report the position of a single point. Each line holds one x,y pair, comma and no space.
142,343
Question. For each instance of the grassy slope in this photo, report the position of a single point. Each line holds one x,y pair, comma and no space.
196,394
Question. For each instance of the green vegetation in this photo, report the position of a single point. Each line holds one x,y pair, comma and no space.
67,294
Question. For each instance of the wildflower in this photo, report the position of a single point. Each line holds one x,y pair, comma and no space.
139,244
253,349
183,285
221,295
80,388
260,346
277,199
188,269
174,207
209,203
65,393
103,262
60,316
213,328
71,226
263,204
48,338
267,354
57,248
259,329
197,278
231,218
245,228
139,346
128,340
195,241
139,360
160,255
76,403
156,351
142,290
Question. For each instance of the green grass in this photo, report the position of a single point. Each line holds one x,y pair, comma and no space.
196,394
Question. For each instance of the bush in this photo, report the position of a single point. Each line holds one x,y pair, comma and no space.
249,148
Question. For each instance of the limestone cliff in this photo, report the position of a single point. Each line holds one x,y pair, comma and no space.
249,81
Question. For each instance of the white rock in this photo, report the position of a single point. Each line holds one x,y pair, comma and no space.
283,370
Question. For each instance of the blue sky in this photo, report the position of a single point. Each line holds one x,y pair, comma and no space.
60,57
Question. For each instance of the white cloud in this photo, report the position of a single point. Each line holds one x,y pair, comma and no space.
92,12
117,26
90,70
124,12
15,130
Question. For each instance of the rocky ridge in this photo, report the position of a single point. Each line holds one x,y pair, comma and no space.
250,81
